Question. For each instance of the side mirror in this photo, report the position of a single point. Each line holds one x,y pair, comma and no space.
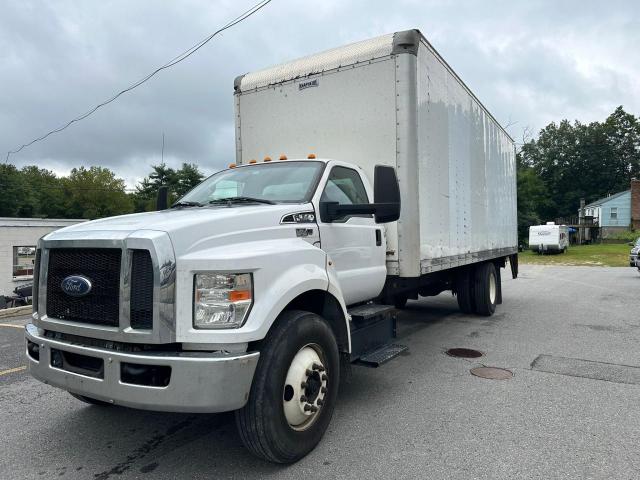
386,194
162,200
386,197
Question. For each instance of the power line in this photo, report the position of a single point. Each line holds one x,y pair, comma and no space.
175,60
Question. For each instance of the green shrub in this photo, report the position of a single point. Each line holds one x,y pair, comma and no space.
627,235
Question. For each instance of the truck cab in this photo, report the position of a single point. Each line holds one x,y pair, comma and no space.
170,310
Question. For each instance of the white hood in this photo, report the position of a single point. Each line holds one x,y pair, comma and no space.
195,228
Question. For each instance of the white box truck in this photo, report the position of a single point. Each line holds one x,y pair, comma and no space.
549,238
365,175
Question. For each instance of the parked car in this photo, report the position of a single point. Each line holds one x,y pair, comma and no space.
633,255
22,296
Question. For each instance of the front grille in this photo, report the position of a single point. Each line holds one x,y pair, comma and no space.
101,306
36,281
141,313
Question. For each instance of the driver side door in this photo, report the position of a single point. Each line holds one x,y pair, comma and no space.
355,244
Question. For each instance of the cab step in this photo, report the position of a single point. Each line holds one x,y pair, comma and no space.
382,355
373,328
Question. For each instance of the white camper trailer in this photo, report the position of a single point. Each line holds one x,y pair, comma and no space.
549,238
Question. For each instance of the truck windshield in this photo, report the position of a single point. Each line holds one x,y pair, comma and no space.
283,182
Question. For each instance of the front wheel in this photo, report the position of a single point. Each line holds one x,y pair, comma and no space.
294,389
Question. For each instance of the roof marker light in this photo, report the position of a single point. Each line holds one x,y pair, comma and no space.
311,156
283,157
267,159
232,165
252,161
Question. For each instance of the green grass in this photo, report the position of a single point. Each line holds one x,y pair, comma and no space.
605,255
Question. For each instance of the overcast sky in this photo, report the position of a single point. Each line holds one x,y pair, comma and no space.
530,62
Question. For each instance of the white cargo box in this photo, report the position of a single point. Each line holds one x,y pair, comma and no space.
393,100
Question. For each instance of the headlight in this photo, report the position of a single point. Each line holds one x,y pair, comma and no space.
221,300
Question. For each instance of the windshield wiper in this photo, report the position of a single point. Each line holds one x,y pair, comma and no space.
187,204
241,199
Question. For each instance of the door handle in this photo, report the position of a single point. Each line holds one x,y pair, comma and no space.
378,237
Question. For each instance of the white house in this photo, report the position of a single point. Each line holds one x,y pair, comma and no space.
18,239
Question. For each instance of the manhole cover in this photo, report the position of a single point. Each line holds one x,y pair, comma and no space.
464,353
492,373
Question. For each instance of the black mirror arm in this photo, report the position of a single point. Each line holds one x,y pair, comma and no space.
333,210
336,209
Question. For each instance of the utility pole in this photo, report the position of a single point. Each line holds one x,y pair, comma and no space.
162,154
581,221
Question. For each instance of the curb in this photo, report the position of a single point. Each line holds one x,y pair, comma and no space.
11,312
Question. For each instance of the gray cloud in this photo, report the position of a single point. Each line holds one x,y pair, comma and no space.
529,62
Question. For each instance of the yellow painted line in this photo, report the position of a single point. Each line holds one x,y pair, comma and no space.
12,370
11,325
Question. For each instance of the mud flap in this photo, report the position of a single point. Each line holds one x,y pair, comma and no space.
513,261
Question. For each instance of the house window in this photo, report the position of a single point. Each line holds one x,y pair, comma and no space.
23,261
614,213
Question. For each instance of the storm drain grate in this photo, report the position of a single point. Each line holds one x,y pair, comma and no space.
577,367
492,373
464,353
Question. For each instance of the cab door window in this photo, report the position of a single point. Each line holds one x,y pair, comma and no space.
345,186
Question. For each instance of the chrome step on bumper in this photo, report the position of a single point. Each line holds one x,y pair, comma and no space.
174,381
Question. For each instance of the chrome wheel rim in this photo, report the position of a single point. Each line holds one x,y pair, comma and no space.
305,387
492,288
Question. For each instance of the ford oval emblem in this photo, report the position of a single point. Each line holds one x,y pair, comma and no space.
76,285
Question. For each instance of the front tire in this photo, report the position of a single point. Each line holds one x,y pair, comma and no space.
486,289
294,389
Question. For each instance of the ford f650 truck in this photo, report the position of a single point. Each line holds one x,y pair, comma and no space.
365,176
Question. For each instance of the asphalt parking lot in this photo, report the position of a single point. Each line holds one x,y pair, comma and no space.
570,335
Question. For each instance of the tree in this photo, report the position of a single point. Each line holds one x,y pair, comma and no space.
621,132
187,177
576,161
45,196
179,182
94,193
532,197
13,191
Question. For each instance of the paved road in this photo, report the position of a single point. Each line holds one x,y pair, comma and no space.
572,410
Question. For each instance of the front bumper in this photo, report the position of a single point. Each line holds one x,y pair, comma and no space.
199,381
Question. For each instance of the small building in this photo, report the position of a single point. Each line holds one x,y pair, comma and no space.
18,240
613,213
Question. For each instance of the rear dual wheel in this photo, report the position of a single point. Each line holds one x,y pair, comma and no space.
486,289
400,301
294,389
477,289
464,291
